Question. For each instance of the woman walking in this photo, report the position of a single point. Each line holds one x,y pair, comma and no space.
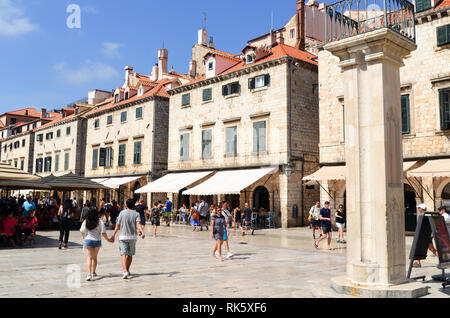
340,223
218,227
92,231
65,222
155,218
228,218
237,219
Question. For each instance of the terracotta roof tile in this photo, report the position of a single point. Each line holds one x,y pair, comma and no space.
32,112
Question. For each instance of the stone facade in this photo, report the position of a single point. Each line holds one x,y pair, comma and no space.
425,71
288,106
23,153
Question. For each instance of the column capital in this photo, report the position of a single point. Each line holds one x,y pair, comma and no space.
384,44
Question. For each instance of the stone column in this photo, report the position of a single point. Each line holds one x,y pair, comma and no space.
376,231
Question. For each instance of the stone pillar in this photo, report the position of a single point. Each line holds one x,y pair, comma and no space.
376,231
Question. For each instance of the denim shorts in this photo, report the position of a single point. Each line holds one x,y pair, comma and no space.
340,225
94,244
127,247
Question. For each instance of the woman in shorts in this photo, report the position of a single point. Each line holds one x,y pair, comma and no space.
340,223
237,219
155,218
92,231
218,226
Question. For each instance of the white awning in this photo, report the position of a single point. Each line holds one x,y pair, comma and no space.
230,182
115,183
433,168
327,173
339,173
174,182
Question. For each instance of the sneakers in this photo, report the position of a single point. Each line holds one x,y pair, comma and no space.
230,255
344,242
89,278
126,275
339,241
94,274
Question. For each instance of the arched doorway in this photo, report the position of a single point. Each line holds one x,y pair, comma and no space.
261,199
136,196
410,208
446,196
184,199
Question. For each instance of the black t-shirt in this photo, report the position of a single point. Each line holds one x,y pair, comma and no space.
155,213
238,215
248,214
341,214
141,210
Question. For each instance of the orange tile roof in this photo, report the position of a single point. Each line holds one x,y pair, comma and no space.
32,112
179,75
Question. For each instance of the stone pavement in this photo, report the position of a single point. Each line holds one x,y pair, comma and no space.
178,263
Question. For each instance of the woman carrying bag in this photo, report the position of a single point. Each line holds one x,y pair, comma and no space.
65,222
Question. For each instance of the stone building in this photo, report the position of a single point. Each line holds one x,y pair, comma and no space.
127,138
251,121
425,96
18,148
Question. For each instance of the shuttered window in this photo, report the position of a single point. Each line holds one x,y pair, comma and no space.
423,5
56,163
207,94
443,35
231,141
58,133
184,146
109,157
39,164
102,157
259,81
139,113
122,152
48,164
186,100
259,137
109,120
406,123
22,165
97,123
232,88
207,144
66,161
137,153
95,159
444,103
123,117
68,131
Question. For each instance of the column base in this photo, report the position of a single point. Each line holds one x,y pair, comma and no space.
410,289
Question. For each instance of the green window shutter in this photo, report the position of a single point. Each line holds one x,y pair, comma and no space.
68,131
58,133
186,99
251,83
123,117
137,152
95,159
262,137
225,90
109,120
102,160
122,152
235,88
184,147
267,80
56,163
138,112
406,123
206,144
207,94
444,103
443,34
423,5
231,141
66,161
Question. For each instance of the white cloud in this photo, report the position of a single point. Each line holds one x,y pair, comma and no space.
13,21
88,72
90,9
111,49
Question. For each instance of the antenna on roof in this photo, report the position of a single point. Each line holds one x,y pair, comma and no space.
271,24
205,19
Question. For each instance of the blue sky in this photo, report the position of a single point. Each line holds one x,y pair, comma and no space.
46,64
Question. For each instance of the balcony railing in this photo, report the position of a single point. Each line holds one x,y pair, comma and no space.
348,18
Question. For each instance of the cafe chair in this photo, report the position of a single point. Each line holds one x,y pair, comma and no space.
270,221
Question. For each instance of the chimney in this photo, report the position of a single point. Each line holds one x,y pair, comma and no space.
43,112
211,42
193,68
203,37
128,71
163,59
301,17
155,73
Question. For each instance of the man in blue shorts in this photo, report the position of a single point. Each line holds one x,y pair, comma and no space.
325,223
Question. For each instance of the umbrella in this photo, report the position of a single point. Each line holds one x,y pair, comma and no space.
23,184
10,173
71,182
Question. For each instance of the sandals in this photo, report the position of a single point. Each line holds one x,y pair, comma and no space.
315,245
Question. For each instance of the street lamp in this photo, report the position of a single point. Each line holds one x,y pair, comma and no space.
289,169
148,176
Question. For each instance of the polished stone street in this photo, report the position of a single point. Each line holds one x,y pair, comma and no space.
178,263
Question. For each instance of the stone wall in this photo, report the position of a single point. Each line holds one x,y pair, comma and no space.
24,153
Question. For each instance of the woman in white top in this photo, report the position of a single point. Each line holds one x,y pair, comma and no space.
92,231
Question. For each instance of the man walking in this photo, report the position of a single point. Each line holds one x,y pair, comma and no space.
203,209
325,223
28,206
128,222
168,214
422,209
314,213
247,218
443,211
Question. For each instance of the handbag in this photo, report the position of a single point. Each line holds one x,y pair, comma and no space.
310,218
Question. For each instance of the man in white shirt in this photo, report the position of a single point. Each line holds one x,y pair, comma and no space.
314,212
